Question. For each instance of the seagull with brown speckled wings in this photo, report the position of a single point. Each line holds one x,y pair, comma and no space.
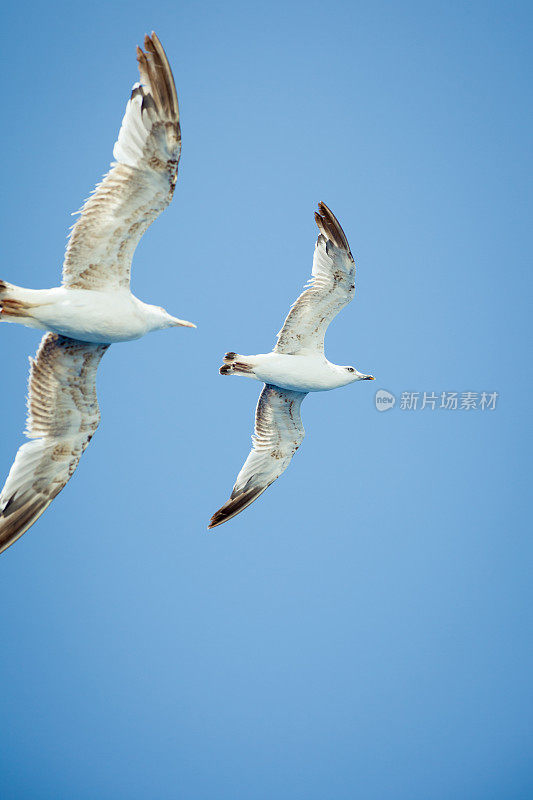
94,306
296,366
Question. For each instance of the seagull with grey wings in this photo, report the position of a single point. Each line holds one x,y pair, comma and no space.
295,367
94,306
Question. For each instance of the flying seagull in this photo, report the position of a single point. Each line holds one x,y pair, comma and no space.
94,306
296,366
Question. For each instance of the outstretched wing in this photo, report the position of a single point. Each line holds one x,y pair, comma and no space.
330,288
278,434
63,414
139,186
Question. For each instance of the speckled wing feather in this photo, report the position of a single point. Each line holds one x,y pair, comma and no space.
278,434
329,290
139,186
63,414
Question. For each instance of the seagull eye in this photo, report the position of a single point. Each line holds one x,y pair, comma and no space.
350,369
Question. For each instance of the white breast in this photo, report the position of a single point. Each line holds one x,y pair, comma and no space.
93,316
300,373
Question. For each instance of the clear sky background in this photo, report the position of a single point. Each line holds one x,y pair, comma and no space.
364,629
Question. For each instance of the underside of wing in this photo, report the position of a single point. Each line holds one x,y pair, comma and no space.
330,289
278,434
139,185
63,415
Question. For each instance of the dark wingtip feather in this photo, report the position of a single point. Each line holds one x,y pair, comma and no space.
234,506
15,519
330,227
161,73
156,75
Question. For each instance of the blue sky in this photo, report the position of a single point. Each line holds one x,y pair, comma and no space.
364,629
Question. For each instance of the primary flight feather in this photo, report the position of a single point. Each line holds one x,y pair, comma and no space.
94,306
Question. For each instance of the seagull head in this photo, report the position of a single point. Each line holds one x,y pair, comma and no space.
354,375
174,322
160,319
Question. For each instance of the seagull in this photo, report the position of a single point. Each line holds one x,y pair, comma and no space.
295,367
94,306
